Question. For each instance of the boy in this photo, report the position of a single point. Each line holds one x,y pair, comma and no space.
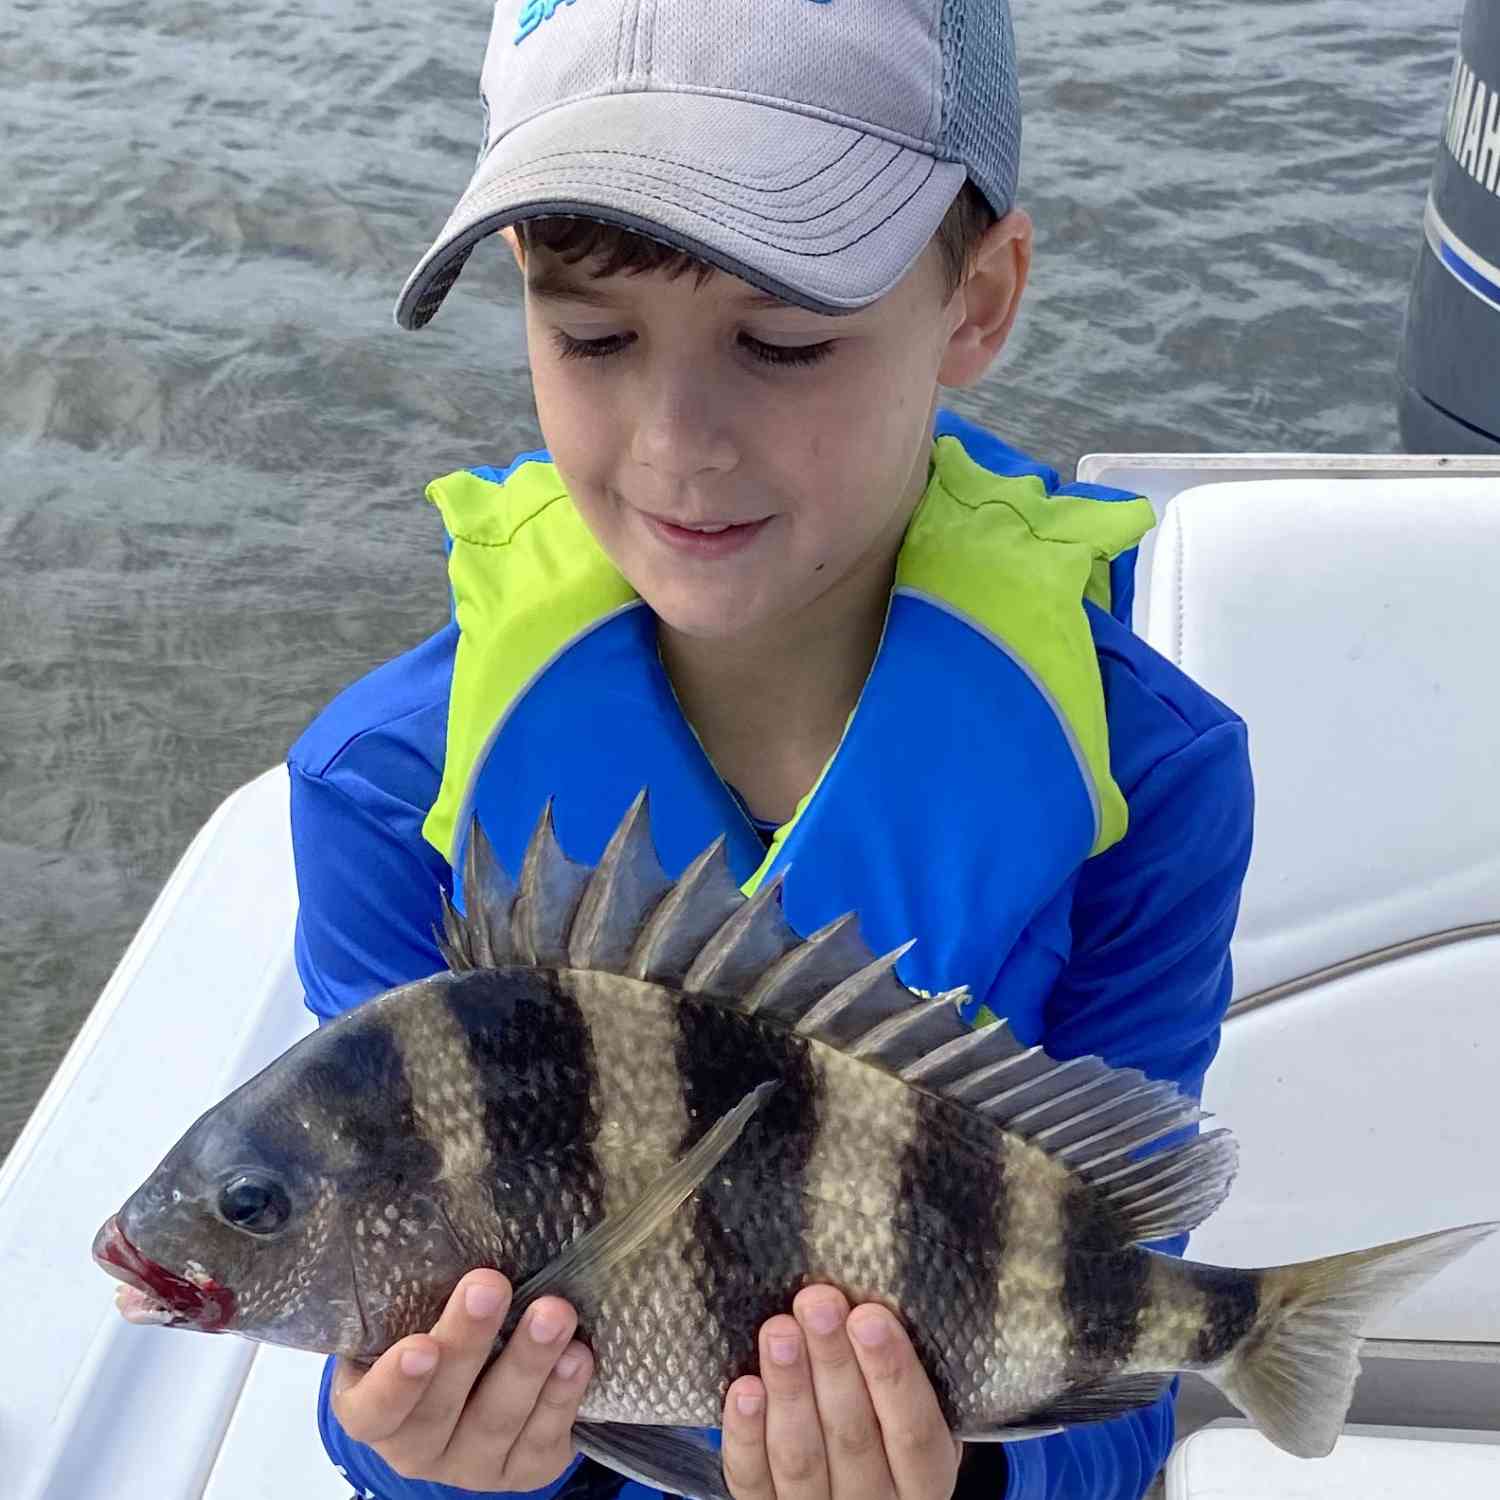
755,244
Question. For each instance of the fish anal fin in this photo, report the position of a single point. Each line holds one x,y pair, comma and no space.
1007,1434
1112,1397
675,1460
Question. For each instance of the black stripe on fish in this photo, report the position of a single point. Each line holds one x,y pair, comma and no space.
533,1058
1233,1299
749,1215
947,1216
356,1079
1106,1288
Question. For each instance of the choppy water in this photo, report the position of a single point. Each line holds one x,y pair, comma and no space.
213,442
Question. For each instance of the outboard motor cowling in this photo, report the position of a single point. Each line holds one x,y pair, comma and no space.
1450,362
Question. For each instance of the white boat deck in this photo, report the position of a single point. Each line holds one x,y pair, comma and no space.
1358,1069
204,997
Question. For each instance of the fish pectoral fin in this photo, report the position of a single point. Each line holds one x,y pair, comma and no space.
1107,1398
1007,1434
674,1459
588,1264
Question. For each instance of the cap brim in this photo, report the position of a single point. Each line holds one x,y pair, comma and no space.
816,213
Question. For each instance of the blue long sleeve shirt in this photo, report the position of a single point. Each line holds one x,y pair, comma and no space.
1136,971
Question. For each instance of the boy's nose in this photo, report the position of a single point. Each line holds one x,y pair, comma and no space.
681,430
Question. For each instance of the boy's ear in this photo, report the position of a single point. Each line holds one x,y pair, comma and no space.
988,299
511,238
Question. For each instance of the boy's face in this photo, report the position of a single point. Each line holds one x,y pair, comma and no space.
672,407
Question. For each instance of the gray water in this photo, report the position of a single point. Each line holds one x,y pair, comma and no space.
213,442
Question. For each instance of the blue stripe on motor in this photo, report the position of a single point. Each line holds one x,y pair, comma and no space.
1466,273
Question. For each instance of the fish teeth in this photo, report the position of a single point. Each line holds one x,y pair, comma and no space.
137,1306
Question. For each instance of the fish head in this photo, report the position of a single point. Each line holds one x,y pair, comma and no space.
295,1211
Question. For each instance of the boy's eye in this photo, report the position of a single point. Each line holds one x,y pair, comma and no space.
570,348
786,354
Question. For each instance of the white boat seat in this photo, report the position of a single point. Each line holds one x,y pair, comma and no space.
1231,1461
274,1421
1351,623
205,995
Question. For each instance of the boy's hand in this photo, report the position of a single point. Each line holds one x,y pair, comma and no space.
422,1409
842,1411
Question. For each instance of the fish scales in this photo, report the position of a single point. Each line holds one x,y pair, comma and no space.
950,1213
1230,1302
888,1192
680,1164
1104,1291
1029,1327
638,1097
749,1217
532,1069
853,1181
391,1233
1172,1321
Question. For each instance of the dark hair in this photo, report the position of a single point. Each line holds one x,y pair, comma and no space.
614,250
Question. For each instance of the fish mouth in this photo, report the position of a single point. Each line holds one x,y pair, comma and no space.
157,1295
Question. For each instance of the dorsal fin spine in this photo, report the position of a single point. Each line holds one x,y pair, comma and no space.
693,909
624,889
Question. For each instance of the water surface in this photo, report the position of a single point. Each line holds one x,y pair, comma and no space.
213,441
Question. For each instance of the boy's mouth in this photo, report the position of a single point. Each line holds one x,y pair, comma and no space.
708,538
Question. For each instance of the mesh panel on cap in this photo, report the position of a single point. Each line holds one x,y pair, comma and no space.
981,103
438,288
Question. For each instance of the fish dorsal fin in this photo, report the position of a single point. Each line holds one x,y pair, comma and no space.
869,996
490,893
482,938
906,1037
626,887
453,940
702,935
748,943
798,980
551,887
702,901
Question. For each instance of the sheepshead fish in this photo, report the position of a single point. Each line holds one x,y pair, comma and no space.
655,1099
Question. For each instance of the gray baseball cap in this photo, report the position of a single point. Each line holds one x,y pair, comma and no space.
809,147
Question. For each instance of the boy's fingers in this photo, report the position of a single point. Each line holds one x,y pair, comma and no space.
794,1433
857,1468
544,1445
371,1402
919,1449
464,1335
747,1469
503,1401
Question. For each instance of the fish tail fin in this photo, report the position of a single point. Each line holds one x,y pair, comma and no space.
1293,1374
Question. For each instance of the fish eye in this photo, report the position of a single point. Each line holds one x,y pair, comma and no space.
258,1205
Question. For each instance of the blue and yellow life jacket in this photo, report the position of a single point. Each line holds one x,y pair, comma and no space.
972,779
